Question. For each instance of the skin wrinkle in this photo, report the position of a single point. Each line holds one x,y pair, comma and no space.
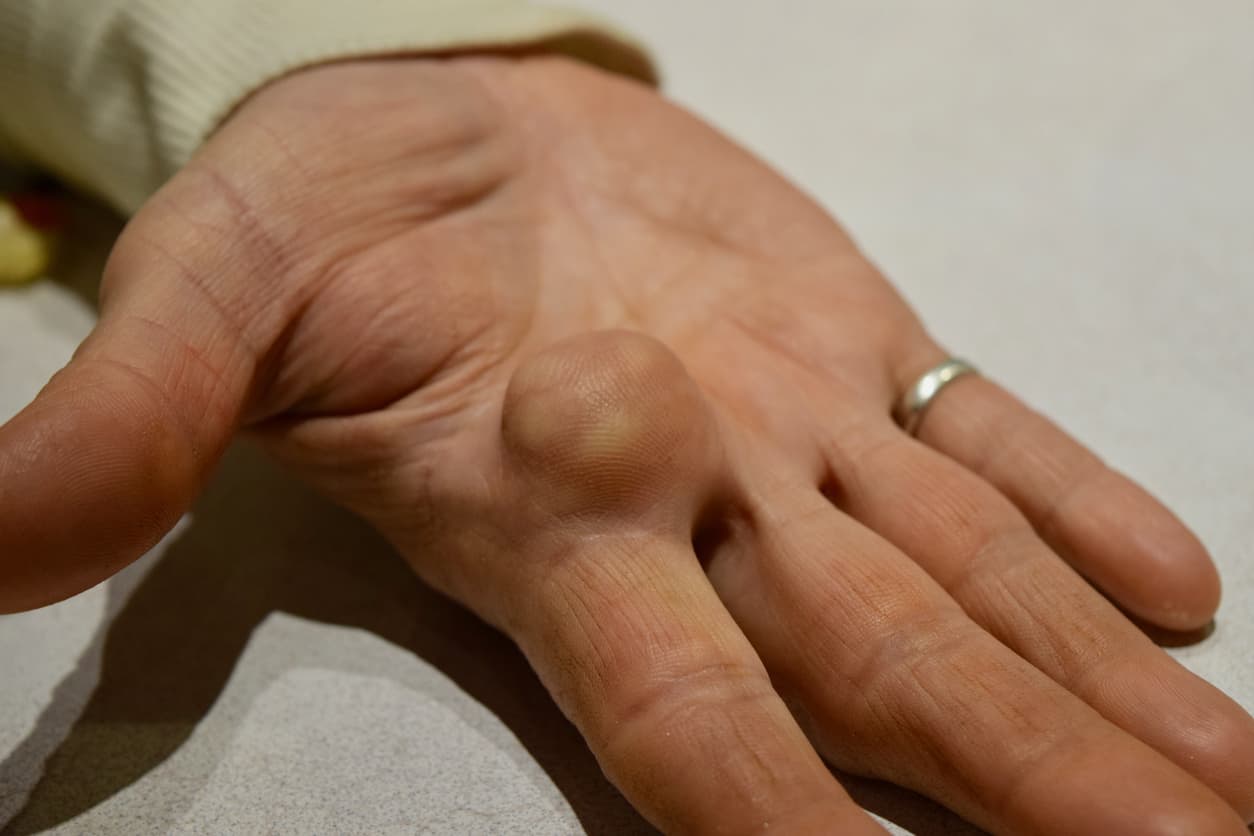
579,608
897,651
1078,647
895,623
692,267
949,701
249,225
1084,680
965,531
457,357
672,223
1006,432
286,349
1064,477
221,383
157,394
1020,782
583,580
770,341
1000,557
446,201
376,322
279,142
1048,517
887,607
638,313
960,514
433,144
437,405
607,269
1057,645
850,461
437,208
669,702
551,157
190,279
890,720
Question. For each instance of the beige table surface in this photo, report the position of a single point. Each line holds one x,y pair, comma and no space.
1065,190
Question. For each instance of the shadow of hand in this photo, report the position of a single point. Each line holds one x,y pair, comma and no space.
259,543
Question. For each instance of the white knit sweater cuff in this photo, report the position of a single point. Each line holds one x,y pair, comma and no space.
116,95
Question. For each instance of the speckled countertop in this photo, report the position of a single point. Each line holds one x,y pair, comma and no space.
1065,191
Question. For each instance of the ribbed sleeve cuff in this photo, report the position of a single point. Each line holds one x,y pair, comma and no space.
116,95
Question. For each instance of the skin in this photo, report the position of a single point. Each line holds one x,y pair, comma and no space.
623,391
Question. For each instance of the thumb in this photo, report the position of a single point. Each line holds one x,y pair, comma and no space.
117,445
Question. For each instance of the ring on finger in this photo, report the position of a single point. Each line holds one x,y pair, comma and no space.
908,412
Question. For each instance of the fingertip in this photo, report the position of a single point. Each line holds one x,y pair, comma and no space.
1151,563
92,474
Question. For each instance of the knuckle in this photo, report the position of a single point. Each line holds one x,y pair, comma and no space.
992,559
915,656
608,421
694,698
1084,478
920,686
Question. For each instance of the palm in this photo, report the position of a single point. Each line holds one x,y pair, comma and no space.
405,278
606,213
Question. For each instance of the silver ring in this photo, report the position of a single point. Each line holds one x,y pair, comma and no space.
909,410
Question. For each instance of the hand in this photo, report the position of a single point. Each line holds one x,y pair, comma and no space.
624,392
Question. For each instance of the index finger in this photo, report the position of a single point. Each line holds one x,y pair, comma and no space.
636,647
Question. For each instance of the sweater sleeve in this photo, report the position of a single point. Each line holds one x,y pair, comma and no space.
115,95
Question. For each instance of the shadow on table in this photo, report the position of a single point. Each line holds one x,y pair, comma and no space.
259,543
